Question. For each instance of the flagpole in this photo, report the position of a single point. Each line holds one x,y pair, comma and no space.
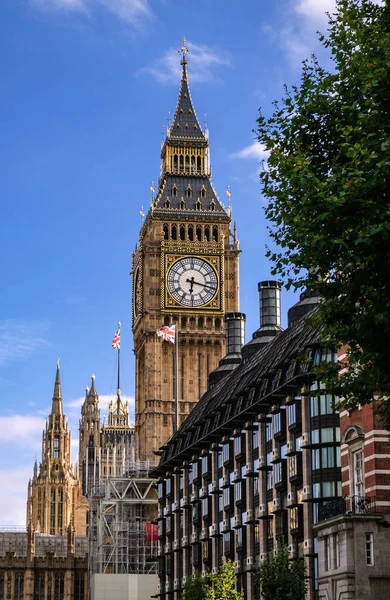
176,368
119,372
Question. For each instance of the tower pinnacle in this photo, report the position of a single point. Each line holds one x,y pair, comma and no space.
184,51
56,408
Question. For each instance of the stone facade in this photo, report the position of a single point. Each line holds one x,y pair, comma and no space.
34,566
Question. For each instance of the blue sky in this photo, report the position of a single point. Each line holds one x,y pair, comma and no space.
86,86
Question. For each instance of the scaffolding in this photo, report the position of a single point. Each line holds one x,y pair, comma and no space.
119,507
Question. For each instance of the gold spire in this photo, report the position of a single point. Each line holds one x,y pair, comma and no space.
184,51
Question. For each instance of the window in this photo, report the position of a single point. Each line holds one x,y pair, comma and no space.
278,472
268,432
59,586
294,523
60,497
370,549
39,586
292,414
56,447
79,586
277,423
358,473
52,511
18,586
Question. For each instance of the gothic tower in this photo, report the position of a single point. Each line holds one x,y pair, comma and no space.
104,450
185,271
53,492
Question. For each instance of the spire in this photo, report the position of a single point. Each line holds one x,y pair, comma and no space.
56,407
92,391
185,123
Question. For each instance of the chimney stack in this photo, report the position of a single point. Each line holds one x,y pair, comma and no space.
269,301
235,339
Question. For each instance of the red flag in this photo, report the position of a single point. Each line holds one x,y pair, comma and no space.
151,531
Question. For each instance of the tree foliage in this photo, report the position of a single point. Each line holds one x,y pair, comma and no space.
281,579
327,185
222,585
194,588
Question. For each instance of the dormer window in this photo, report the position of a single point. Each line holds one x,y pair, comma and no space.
212,205
198,205
189,192
167,203
203,193
189,111
181,110
174,191
182,204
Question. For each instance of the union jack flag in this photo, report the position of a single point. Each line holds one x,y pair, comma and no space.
116,340
167,333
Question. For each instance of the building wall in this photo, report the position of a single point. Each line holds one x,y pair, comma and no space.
38,567
123,587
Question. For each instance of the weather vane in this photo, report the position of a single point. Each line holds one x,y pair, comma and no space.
184,51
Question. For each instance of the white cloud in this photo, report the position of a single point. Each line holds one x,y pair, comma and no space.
104,401
315,10
19,339
254,151
134,12
204,63
24,430
13,497
65,5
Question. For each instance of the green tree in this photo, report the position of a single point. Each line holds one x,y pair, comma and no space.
222,585
281,579
327,186
194,588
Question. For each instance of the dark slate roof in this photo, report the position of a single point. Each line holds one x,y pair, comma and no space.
182,183
185,125
250,389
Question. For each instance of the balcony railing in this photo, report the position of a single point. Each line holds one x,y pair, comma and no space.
349,505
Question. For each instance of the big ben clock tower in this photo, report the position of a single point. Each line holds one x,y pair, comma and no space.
185,271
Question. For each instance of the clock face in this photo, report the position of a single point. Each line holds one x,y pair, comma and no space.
137,293
192,281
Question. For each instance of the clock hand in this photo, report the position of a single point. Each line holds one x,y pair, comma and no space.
203,284
191,282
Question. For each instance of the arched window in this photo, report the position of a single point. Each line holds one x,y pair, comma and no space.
167,203
193,164
192,323
181,164
182,204
190,233
60,503
183,324
198,205
209,323
182,232
199,233
217,323
189,192
165,229
174,232
212,205
175,163
199,164
200,322
215,234
207,233
174,191
203,193
187,163
166,320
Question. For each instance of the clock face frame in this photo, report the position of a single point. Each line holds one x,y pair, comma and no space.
193,281
137,293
